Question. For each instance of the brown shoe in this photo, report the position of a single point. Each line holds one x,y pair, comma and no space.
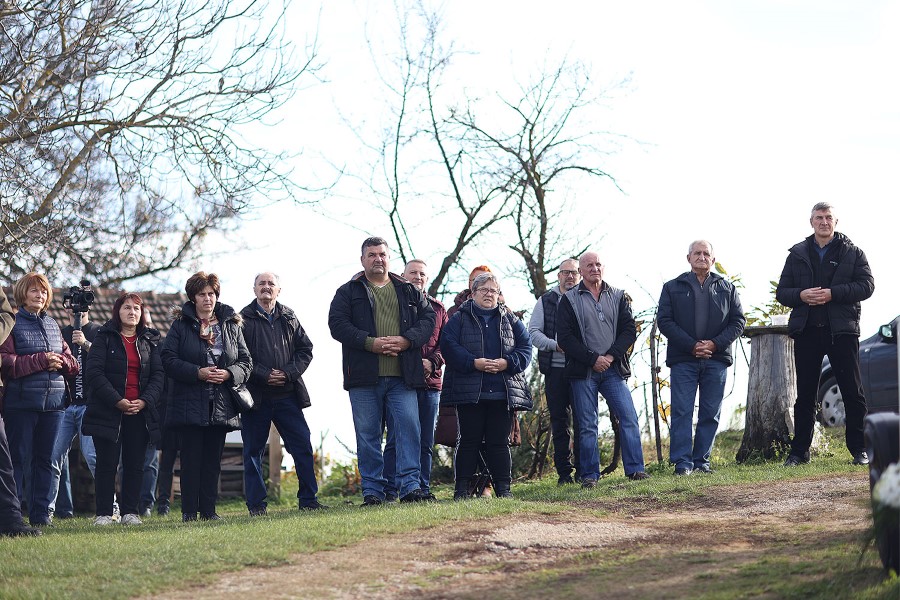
639,475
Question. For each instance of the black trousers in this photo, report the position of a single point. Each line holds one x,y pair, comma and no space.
201,463
10,509
487,420
559,403
167,458
132,447
843,352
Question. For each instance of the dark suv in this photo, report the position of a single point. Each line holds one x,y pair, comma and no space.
878,369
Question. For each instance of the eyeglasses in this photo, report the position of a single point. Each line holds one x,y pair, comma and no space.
488,291
568,272
600,314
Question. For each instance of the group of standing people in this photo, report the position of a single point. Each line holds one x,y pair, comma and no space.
403,356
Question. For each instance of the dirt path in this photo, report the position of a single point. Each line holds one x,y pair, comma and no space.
634,550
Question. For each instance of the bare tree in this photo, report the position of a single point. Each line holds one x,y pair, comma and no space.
122,128
550,136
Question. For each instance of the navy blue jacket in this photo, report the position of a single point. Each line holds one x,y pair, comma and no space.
852,283
463,340
676,316
105,374
29,385
184,354
351,319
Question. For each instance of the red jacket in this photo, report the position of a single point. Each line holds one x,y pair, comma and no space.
431,350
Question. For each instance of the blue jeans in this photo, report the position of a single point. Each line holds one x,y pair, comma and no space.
429,400
686,377
60,484
291,425
148,483
368,405
584,403
33,434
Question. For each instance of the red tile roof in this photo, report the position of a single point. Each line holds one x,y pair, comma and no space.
158,305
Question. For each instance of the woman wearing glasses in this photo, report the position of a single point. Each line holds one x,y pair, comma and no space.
486,349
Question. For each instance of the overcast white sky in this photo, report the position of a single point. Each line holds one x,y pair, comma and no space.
748,114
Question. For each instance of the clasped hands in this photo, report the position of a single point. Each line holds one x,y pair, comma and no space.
816,296
54,361
131,407
213,375
491,365
704,349
390,345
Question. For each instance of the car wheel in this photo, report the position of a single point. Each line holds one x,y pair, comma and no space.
831,406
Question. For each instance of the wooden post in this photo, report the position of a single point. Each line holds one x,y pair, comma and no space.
771,392
655,368
275,456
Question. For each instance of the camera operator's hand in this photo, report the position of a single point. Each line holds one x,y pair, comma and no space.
78,338
54,361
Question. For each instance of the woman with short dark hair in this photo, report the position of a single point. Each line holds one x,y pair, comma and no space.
35,362
204,355
124,376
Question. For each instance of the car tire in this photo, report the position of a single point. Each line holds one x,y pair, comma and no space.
831,405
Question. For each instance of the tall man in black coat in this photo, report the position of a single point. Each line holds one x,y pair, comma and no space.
825,278
281,353
10,509
382,321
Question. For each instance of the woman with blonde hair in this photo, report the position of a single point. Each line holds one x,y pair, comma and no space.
35,362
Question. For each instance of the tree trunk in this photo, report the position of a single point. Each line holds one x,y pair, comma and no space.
771,392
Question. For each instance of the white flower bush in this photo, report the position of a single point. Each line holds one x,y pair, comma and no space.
887,490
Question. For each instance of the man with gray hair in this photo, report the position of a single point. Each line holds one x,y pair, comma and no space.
700,314
281,353
825,277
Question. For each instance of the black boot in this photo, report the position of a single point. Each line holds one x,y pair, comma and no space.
501,488
461,492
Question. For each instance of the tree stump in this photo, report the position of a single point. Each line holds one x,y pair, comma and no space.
771,392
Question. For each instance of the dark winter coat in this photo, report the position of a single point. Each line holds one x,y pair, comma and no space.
463,340
676,318
351,319
570,333
105,374
851,284
184,353
281,344
29,385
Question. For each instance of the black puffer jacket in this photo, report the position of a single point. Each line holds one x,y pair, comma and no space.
462,341
351,319
851,284
184,354
104,377
281,344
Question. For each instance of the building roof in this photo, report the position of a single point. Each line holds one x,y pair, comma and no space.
158,306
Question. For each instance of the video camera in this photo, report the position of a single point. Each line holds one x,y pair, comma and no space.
79,299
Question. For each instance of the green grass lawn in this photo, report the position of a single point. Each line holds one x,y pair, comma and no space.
76,560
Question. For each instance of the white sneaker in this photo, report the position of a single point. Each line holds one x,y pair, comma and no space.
103,520
131,519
